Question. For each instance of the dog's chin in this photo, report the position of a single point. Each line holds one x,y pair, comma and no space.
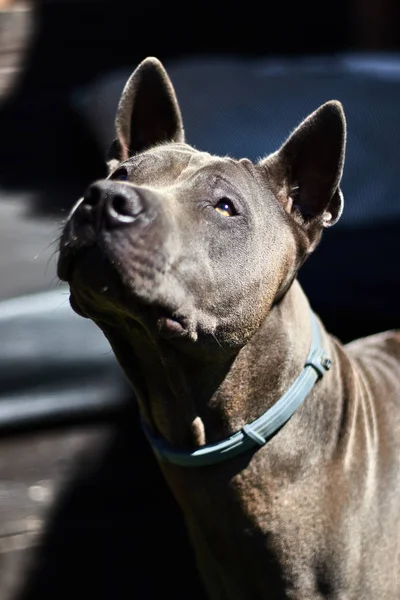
74,303
98,292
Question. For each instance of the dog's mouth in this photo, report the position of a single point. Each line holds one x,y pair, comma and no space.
172,326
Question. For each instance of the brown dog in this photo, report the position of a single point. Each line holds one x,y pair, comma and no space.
281,446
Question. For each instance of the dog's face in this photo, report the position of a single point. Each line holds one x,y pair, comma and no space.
190,247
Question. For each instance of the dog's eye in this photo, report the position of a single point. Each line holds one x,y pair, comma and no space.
225,207
120,174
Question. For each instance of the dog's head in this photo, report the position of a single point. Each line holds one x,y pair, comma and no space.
191,247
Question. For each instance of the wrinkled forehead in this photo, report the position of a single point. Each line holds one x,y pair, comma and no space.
172,164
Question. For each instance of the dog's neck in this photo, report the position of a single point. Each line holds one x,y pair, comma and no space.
190,402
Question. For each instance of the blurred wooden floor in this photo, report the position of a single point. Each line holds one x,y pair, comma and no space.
34,472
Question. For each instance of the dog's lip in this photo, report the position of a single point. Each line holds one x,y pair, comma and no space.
171,326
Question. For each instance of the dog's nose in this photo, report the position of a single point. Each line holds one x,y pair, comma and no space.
112,203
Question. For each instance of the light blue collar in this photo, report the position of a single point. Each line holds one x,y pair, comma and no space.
262,429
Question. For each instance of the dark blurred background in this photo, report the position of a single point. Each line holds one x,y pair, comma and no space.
83,510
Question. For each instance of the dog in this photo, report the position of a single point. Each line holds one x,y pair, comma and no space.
281,446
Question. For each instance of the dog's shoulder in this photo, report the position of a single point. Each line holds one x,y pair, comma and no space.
386,343
378,358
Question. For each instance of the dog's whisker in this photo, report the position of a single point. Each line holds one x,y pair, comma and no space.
55,281
49,245
218,342
51,257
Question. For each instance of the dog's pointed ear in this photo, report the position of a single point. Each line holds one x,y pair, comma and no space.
307,169
148,112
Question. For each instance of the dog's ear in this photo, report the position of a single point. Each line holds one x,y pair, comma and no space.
148,112
308,168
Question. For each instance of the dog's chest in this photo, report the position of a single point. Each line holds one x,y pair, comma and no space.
263,544
266,561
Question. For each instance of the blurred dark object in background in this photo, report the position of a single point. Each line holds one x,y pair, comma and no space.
43,140
374,24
